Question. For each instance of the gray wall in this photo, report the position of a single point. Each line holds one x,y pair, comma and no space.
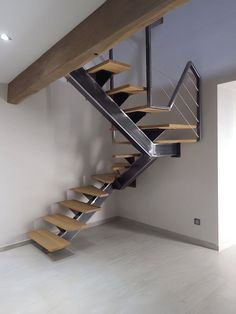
174,191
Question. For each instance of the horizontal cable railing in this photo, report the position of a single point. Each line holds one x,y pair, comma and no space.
176,97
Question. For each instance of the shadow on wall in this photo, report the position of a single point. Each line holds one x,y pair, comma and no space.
79,132
52,141
80,139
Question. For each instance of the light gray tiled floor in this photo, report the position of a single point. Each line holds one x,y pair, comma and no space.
118,268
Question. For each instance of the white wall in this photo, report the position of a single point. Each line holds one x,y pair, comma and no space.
52,141
226,163
174,191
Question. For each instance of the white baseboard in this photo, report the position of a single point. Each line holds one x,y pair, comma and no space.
173,235
14,245
103,221
164,232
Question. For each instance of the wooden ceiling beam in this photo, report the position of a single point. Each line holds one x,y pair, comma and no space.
111,23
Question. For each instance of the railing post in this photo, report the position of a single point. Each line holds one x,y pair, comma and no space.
148,39
148,65
198,81
198,86
112,76
111,57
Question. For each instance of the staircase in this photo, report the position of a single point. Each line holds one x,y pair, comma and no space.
125,121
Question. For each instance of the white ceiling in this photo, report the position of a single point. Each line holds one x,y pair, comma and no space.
34,26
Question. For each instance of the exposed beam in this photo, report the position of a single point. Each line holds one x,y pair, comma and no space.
111,23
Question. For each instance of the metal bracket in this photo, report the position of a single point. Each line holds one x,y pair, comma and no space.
157,23
101,77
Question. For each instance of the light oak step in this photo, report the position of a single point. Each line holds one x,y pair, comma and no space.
79,206
146,109
163,141
48,240
170,126
120,166
187,141
90,190
129,89
131,155
65,222
112,66
105,177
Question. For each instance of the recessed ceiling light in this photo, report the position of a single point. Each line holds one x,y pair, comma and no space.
5,37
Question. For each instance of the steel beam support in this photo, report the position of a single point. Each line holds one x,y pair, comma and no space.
84,217
101,77
89,88
133,172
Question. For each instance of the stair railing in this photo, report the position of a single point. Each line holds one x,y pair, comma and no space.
189,68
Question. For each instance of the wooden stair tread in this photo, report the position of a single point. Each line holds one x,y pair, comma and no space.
79,206
112,66
170,126
175,141
146,109
120,166
131,155
65,222
48,240
129,89
163,141
105,177
90,190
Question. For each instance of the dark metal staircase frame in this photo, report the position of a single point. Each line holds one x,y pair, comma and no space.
93,92
90,86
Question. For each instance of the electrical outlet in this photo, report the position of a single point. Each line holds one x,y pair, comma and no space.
197,221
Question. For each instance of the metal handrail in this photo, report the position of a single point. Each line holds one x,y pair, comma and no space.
176,93
189,66
179,111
